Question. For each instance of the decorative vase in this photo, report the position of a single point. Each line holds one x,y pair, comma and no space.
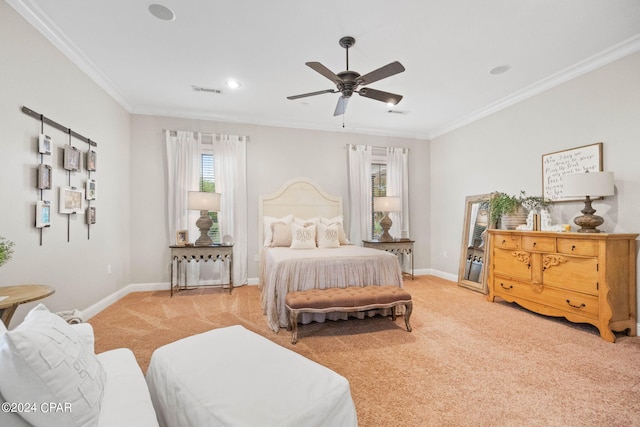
513,220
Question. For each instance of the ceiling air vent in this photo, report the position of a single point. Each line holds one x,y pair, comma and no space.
206,89
397,112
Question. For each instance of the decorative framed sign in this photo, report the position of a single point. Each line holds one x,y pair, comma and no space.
71,200
71,158
44,177
92,159
90,190
43,214
182,237
575,160
44,144
91,215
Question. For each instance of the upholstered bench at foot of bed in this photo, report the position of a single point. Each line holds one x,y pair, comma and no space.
349,299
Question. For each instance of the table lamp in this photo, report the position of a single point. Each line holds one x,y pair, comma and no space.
386,204
589,184
205,203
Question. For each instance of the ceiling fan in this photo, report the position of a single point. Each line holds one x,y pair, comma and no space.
348,82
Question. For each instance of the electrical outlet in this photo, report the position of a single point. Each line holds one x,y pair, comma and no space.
108,268
444,254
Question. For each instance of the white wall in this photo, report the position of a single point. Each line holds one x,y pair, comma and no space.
43,79
274,156
503,152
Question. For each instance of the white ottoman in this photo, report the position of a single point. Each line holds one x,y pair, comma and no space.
234,377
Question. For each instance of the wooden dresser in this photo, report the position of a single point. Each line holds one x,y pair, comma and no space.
587,278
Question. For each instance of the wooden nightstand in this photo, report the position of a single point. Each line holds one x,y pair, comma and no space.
397,247
197,253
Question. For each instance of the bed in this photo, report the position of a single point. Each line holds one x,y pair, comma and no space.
297,261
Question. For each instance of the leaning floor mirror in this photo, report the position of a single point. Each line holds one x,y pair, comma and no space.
473,253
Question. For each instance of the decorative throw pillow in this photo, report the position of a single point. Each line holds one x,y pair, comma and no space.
328,236
342,236
281,233
267,220
45,360
311,221
303,237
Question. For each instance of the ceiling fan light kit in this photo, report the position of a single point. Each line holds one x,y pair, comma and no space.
349,82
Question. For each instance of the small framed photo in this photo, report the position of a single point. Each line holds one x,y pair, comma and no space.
182,237
71,200
44,177
92,159
71,158
91,215
90,190
44,144
43,214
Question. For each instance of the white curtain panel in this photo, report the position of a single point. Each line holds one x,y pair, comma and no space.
398,185
230,154
183,175
359,163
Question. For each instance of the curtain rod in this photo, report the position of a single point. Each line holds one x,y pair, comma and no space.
173,131
58,126
373,147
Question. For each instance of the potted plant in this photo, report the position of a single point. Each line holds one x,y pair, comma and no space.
512,210
6,250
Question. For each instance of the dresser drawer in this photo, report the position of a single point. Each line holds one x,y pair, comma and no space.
535,243
578,247
573,273
506,241
569,302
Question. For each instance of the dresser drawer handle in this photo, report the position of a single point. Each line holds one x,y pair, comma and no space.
504,241
534,244
573,247
575,306
506,288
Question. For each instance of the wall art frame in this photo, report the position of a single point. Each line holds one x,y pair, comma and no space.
43,214
44,144
71,200
90,215
574,160
71,158
90,189
44,177
92,160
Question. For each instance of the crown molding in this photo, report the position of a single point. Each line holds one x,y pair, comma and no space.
625,48
39,20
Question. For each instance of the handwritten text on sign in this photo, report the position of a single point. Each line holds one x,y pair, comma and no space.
576,160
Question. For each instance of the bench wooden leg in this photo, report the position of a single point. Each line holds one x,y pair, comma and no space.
293,324
408,308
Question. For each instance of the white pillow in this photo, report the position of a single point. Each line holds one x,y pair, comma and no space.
267,220
328,236
281,234
342,236
303,237
315,220
45,360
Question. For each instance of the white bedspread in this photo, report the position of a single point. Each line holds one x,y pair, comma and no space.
234,377
286,270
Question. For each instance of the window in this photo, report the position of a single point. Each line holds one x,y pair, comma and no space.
208,184
378,188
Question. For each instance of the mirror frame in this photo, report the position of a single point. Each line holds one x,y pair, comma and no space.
482,285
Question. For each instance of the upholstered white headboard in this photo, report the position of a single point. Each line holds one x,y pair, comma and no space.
300,197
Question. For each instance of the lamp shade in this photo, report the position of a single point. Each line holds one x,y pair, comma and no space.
202,201
592,184
387,204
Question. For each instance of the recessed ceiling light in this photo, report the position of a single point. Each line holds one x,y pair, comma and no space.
162,12
500,69
233,84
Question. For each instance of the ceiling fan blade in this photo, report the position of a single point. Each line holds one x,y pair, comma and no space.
304,95
318,67
378,95
341,107
381,73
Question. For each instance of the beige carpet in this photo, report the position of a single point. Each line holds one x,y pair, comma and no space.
467,362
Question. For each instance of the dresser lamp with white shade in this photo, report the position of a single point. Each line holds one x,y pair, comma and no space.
386,204
588,184
205,203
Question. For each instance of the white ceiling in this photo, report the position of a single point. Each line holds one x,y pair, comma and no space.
447,47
